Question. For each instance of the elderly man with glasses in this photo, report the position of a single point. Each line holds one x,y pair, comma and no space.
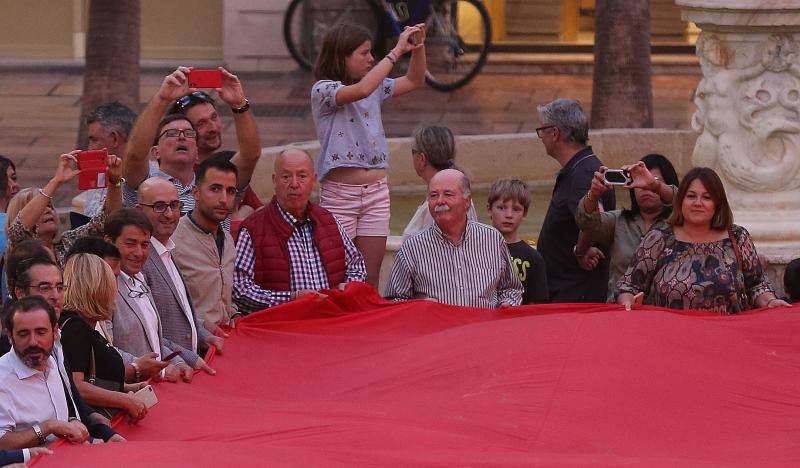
179,144
564,132
136,325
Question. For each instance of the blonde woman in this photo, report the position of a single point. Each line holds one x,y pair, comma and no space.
31,213
97,368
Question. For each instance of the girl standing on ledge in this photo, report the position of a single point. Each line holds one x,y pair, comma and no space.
354,154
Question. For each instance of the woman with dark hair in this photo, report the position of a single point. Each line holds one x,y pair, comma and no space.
354,154
621,231
698,259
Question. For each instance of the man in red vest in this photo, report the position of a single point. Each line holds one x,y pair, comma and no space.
292,247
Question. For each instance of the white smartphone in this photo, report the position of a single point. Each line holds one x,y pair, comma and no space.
147,396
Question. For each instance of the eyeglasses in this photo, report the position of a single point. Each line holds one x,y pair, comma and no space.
192,98
160,207
174,132
135,294
540,130
47,288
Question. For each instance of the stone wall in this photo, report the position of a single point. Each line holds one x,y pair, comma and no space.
520,155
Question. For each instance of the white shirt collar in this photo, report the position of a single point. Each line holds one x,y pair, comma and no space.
161,249
131,281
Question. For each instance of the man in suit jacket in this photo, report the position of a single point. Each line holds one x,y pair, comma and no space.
158,200
136,324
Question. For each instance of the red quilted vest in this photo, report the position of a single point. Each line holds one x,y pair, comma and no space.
270,233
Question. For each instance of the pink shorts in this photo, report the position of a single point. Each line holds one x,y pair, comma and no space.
363,210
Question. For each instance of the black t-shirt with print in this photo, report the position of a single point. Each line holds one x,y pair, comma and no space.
531,270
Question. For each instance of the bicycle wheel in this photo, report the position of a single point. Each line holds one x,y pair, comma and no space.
459,35
307,21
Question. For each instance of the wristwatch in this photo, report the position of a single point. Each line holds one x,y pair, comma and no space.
39,434
575,251
243,109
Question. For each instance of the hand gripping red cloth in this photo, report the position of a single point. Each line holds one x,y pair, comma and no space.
354,380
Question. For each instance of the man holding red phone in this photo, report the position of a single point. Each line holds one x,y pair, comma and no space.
177,151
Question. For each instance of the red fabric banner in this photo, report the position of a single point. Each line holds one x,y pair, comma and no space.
354,380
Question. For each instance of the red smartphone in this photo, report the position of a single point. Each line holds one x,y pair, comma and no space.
94,169
205,79
171,356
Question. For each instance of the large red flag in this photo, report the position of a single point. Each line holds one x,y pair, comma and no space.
354,380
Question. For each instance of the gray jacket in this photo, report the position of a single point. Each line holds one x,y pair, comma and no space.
128,331
174,319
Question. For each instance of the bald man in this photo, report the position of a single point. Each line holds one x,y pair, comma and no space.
455,261
158,200
292,247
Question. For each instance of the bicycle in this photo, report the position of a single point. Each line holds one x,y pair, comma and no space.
458,32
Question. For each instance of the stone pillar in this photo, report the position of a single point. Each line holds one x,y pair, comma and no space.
748,113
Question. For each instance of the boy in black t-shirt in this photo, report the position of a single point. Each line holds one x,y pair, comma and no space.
508,205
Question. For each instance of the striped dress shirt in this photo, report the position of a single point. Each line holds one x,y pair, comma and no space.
475,273
306,270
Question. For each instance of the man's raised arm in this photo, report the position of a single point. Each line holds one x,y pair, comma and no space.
246,129
135,166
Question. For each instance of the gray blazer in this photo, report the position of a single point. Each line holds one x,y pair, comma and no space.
173,315
127,329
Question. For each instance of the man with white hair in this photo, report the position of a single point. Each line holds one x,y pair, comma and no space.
455,261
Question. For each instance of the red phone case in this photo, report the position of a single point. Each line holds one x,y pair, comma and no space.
94,169
205,79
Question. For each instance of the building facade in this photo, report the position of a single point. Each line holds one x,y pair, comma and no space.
247,34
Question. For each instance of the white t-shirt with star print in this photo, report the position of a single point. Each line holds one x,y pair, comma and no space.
350,135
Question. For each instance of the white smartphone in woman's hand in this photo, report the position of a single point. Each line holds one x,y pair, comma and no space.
147,396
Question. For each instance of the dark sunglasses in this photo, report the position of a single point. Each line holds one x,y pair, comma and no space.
191,99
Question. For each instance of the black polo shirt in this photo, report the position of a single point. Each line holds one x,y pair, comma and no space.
567,281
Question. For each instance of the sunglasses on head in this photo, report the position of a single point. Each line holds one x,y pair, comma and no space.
192,98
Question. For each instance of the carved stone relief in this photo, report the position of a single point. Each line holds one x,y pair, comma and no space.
748,110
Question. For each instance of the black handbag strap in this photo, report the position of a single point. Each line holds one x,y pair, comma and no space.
70,405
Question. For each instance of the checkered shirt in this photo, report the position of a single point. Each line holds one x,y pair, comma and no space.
306,270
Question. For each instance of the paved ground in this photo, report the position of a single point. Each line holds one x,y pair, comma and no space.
39,109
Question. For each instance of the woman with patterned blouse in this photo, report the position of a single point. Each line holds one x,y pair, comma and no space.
346,105
698,259
31,214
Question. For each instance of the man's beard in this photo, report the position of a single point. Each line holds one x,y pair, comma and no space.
27,355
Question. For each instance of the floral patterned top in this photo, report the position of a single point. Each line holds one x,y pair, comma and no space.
18,233
350,135
699,276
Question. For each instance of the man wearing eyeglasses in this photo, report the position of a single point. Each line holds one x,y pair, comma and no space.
564,132
158,200
136,324
40,276
176,138
200,109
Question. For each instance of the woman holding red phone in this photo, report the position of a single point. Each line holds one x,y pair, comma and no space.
31,214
